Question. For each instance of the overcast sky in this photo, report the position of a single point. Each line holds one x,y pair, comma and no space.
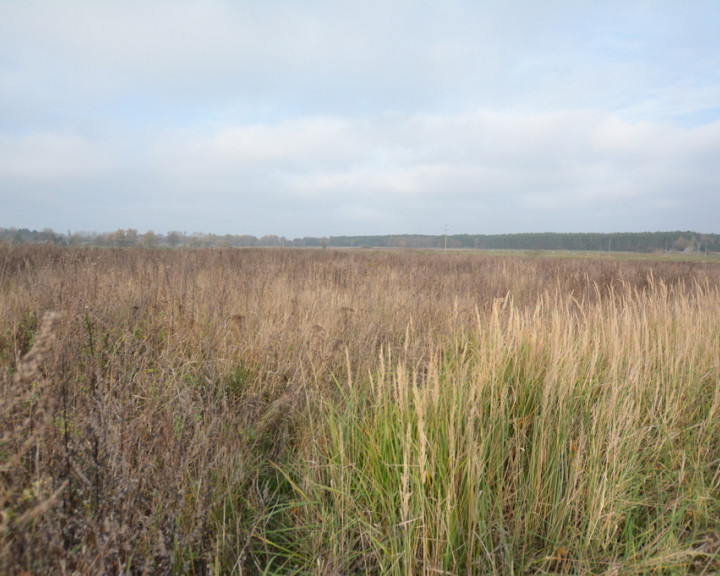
316,118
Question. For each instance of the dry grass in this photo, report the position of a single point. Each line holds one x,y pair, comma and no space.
192,411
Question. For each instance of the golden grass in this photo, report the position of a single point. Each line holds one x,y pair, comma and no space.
233,411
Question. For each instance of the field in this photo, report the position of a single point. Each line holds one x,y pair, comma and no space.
248,411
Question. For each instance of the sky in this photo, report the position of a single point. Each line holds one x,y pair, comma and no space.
328,118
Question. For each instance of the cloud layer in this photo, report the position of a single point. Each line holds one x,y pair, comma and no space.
330,118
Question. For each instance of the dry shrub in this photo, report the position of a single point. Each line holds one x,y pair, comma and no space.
27,491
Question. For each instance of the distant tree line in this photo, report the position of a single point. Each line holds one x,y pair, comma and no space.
125,238
643,242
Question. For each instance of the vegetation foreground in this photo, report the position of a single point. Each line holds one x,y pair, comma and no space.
247,411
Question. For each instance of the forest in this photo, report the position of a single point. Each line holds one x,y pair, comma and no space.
638,242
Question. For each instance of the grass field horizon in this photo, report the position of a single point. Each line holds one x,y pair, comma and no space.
290,411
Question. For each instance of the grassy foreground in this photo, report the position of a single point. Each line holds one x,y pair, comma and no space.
318,412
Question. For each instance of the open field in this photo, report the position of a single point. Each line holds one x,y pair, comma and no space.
246,411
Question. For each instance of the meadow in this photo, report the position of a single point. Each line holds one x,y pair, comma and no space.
290,411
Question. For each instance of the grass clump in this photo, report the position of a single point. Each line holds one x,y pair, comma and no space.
543,442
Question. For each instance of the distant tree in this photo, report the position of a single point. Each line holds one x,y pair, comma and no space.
174,238
131,237
310,241
680,244
269,240
149,240
75,239
48,235
197,240
213,240
117,238
245,240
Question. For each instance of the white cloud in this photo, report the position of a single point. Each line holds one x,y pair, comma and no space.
375,116
45,158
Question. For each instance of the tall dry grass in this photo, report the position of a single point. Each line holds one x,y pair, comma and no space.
236,411
552,439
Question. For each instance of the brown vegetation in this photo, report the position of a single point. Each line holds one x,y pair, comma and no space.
150,398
